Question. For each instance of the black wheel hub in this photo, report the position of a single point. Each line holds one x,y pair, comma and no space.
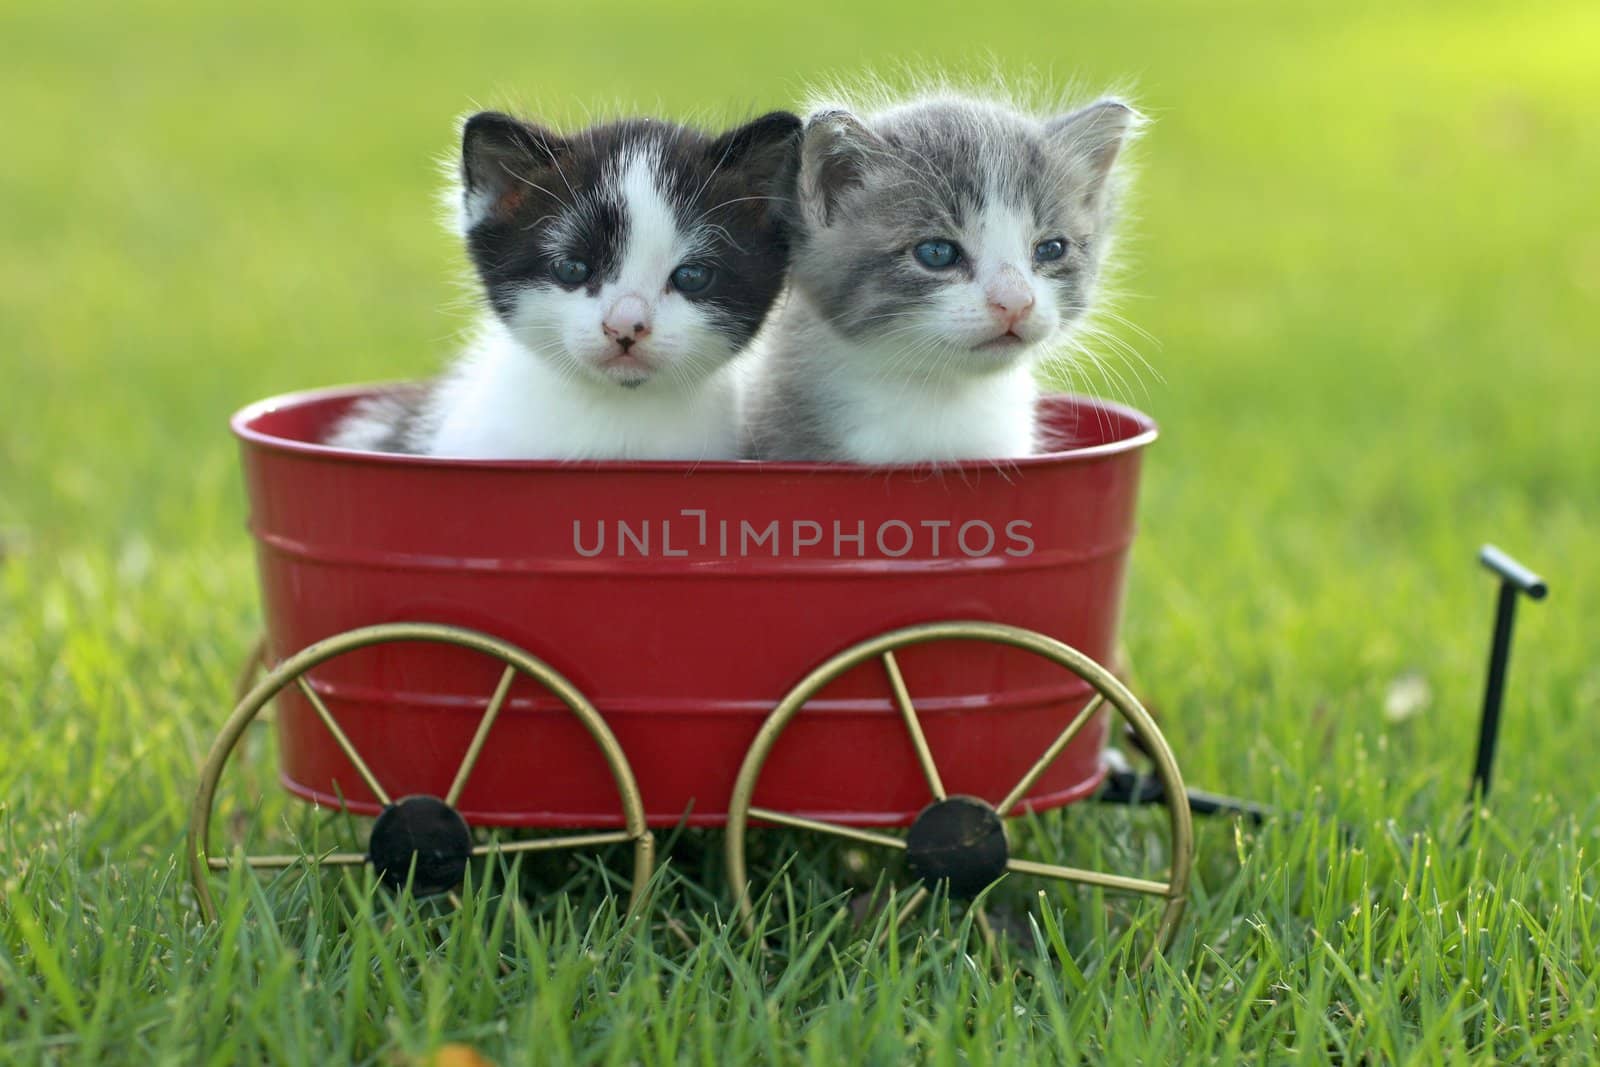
423,839
959,840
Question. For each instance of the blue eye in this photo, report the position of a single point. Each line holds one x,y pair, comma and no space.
691,278
1045,251
570,271
936,255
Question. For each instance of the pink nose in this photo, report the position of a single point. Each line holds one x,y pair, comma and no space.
627,321
1010,298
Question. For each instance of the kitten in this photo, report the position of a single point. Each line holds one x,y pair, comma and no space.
624,267
938,248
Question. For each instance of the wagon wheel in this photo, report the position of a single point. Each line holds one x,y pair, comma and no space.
961,840
418,839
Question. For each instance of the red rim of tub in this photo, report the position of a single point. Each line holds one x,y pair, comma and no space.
242,425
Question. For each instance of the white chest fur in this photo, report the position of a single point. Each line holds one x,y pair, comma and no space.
502,401
885,421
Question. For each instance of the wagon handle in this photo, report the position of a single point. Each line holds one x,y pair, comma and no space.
1515,580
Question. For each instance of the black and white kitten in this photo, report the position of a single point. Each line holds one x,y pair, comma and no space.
940,247
624,267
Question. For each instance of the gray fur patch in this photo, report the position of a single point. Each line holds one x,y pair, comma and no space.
388,422
929,168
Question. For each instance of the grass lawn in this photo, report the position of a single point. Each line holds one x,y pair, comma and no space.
1368,261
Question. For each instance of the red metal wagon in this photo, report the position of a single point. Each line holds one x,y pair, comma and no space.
611,647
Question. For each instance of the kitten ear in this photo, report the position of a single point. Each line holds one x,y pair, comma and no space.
765,151
765,143
833,159
1093,136
498,152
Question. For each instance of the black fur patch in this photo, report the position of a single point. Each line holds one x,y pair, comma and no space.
539,185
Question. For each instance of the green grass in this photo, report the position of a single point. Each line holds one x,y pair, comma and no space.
1369,259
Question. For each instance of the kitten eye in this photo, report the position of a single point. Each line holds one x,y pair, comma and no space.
570,271
1045,251
937,255
691,278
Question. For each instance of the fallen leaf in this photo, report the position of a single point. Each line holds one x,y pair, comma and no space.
458,1056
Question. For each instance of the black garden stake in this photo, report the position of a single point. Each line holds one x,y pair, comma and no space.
1515,580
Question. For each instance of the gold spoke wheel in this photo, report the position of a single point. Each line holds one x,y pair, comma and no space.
416,840
961,841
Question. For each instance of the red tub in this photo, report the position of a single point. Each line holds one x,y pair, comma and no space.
684,600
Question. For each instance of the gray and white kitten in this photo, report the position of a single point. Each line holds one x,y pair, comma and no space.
623,267
939,247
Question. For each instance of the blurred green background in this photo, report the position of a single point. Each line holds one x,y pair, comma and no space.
1366,252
